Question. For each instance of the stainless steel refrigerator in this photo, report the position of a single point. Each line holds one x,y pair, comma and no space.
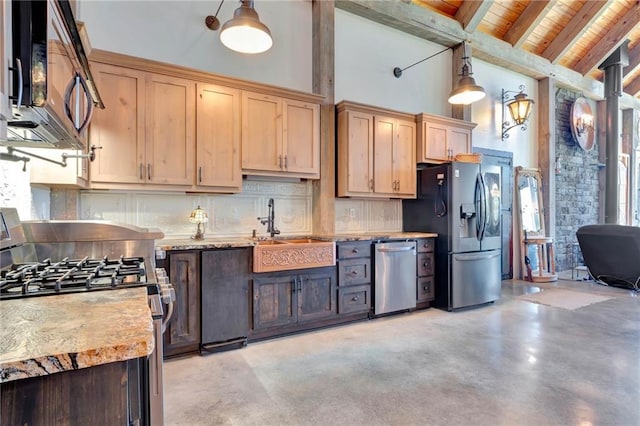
461,203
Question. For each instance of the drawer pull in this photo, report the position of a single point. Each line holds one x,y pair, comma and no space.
355,250
425,288
425,264
353,273
354,299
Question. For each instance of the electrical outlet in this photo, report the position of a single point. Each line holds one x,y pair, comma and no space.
352,213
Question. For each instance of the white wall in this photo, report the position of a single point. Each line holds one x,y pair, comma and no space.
487,113
366,54
174,31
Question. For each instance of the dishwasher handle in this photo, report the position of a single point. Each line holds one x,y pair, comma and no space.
395,249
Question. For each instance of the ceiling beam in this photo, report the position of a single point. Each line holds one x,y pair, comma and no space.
616,33
471,12
527,22
634,60
633,87
576,27
430,25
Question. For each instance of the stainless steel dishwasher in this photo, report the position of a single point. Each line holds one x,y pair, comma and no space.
395,276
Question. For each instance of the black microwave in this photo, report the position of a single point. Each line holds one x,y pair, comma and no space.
53,94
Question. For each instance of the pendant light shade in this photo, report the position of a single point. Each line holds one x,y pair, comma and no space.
244,32
467,91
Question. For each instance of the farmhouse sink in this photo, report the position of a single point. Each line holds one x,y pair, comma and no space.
285,255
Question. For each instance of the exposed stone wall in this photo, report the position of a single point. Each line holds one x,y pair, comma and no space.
576,182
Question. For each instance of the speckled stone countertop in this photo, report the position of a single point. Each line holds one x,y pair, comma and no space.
49,334
231,242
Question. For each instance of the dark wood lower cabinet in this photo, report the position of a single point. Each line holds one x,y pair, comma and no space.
183,331
289,298
100,395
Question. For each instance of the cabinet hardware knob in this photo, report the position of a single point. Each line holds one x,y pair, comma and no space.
425,288
353,273
354,299
355,250
425,264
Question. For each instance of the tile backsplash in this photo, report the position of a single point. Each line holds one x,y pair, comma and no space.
236,215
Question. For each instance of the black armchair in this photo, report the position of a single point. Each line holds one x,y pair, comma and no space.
612,253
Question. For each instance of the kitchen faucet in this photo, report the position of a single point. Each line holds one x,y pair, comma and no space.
270,219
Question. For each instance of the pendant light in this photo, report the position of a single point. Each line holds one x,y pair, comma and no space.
243,33
467,91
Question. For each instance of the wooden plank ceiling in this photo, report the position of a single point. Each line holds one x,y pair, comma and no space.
563,39
575,34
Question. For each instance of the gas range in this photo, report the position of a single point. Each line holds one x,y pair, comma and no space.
50,277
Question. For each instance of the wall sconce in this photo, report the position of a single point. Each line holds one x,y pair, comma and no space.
198,216
582,124
519,108
243,33
467,91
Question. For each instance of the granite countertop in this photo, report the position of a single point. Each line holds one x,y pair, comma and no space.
232,242
49,334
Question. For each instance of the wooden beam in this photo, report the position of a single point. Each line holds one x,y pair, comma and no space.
546,110
471,12
633,87
577,26
618,31
634,61
527,22
323,42
430,25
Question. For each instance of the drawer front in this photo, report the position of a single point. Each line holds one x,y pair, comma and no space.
354,271
425,245
425,289
425,264
354,299
353,250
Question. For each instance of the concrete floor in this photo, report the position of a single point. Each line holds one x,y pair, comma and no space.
509,363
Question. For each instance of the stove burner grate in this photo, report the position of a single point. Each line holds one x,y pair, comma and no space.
71,275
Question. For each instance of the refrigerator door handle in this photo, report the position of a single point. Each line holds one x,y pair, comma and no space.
468,257
477,198
484,206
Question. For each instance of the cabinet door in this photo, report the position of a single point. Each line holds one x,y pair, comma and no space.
355,150
383,141
218,138
404,160
225,294
261,133
183,332
317,295
273,300
436,145
301,135
425,289
170,130
119,128
459,141
354,299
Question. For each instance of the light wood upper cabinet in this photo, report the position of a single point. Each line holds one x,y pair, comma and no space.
119,129
440,139
218,138
170,130
146,131
376,152
280,137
